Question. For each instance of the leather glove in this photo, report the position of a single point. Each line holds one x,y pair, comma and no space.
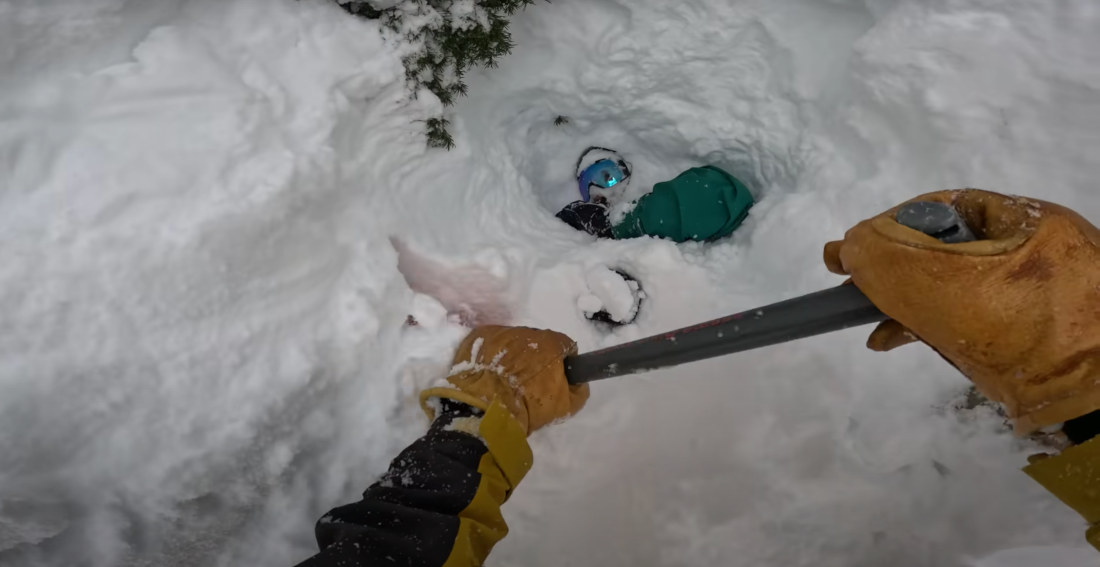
1017,311
523,368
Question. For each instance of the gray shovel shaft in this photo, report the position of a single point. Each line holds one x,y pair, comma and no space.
825,311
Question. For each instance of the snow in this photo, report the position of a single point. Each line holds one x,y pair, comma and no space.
216,218
609,291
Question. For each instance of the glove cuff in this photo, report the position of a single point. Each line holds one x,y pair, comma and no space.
455,394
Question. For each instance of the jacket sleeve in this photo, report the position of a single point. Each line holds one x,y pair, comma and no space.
656,213
587,217
438,505
1074,475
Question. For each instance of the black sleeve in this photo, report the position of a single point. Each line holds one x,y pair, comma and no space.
410,516
588,217
1081,429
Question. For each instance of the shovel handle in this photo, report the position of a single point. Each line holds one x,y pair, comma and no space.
825,311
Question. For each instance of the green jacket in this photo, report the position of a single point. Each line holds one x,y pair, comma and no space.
703,203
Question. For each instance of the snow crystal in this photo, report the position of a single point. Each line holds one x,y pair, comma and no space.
468,425
493,366
475,348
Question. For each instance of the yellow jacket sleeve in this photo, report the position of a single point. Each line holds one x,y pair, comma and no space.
1074,477
506,462
439,502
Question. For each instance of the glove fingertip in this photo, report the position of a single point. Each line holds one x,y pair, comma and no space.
831,256
890,335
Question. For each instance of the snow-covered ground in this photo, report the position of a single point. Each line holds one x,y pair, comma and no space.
204,206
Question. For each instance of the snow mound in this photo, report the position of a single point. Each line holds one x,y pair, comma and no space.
475,294
612,293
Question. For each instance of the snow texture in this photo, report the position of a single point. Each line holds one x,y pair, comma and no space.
216,217
609,291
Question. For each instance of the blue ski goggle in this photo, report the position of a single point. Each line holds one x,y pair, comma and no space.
604,174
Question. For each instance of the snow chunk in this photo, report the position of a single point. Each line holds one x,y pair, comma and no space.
616,295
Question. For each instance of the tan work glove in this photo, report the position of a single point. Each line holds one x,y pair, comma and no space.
1017,311
523,368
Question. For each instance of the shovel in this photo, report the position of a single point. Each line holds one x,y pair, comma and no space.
829,310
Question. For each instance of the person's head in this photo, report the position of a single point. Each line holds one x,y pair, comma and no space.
596,180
